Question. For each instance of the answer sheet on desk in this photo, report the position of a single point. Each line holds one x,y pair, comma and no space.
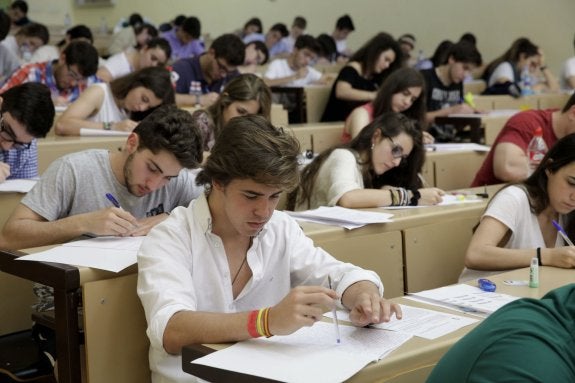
311,354
89,132
17,185
105,253
464,298
341,216
423,323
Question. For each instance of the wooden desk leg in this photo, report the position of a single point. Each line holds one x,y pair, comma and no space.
67,336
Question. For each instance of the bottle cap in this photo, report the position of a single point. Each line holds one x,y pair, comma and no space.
538,131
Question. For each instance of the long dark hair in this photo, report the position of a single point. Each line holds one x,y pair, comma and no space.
369,53
405,175
520,46
397,82
560,155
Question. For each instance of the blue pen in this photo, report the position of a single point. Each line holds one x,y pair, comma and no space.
112,199
562,233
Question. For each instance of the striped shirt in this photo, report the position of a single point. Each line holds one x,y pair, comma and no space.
44,74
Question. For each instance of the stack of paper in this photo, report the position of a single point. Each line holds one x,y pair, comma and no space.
106,253
312,349
423,323
340,216
464,298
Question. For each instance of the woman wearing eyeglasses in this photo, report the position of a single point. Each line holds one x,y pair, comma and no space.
119,104
377,168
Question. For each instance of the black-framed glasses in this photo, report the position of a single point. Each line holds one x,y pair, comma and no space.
223,68
396,149
7,135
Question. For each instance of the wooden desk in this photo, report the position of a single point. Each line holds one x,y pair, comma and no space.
453,169
414,360
317,136
54,147
431,236
114,322
310,101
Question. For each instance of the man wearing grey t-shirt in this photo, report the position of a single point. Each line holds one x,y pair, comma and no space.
124,193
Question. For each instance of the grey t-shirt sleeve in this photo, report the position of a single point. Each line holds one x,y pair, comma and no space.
184,189
52,195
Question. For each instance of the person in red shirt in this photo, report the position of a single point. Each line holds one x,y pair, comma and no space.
507,161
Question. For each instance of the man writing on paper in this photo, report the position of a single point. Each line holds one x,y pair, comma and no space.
145,177
230,267
26,113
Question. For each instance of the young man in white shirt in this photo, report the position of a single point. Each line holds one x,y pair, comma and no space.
212,270
295,70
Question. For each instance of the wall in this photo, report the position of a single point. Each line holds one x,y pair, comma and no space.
496,23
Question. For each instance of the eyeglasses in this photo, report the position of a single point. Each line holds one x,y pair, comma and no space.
396,149
7,135
224,70
73,75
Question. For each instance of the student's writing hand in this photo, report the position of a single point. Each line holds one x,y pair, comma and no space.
124,125
430,196
563,257
4,171
146,224
303,306
110,221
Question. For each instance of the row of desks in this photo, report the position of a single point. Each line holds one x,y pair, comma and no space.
422,248
413,361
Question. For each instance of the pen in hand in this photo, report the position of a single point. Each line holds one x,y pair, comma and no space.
562,233
112,199
334,312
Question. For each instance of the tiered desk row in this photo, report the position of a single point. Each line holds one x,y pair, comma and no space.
423,248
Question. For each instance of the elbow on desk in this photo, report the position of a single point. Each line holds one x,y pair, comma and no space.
60,128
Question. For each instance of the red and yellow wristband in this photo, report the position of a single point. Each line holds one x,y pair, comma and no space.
258,323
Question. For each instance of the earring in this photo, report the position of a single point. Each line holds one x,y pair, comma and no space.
372,146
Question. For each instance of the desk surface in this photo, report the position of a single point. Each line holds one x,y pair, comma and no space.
406,218
414,360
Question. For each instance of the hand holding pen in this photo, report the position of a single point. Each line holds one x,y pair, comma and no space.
561,256
111,221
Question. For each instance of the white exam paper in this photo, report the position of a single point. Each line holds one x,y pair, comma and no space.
101,132
464,298
423,323
105,253
312,349
464,146
340,216
17,185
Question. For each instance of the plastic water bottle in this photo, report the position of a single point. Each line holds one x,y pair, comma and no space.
536,150
526,82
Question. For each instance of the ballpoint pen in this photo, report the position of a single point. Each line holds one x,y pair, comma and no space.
112,199
334,312
562,233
